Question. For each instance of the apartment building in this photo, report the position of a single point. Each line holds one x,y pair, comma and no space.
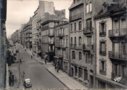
111,45
26,35
47,35
62,44
44,7
76,25
82,39
15,37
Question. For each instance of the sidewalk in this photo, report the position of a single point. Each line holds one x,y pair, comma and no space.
65,79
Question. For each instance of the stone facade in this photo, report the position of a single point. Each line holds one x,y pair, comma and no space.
111,46
62,44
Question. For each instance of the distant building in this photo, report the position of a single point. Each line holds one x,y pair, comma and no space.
44,7
15,37
26,35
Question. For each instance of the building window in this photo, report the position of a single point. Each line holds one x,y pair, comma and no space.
75,27
80,40
90,6
124,48
73,55
75,41
80,72
103,67
103,48
71,40
85,74
86,55
76,70
89,24
89,40
102,29
80,25
87,8
71,27
80,56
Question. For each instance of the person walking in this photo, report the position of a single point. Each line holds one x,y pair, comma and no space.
58,65
45,58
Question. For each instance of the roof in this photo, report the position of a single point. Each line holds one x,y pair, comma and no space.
76,4
110,9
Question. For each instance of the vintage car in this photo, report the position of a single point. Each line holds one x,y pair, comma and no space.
27,83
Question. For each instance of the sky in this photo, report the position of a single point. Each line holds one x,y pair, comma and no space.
19,12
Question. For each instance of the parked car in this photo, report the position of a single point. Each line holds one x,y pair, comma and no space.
27,83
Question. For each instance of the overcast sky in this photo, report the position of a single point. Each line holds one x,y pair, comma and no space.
19,12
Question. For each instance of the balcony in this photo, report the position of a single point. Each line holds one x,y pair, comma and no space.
60,35
79,47
76,17
102,34
51,43
118,33
87,31
51,34
117,56
57,45
73,46
103,72
88,48
64,46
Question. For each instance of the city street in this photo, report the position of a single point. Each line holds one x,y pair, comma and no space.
39,76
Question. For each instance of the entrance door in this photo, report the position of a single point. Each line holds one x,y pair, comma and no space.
91,81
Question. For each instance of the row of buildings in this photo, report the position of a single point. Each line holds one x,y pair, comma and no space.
92,43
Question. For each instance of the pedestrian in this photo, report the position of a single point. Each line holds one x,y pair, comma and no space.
45,58
12,80
31,56
58,66
9,80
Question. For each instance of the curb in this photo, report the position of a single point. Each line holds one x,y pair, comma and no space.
58,79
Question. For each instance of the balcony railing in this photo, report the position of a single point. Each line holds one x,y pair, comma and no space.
73,46
75,17
102,34
51,43
79,47
60,35
102,72
64,46
88,48
118,33
87,31
117,56
57,45
51,34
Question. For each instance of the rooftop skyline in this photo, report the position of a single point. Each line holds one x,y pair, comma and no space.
20,11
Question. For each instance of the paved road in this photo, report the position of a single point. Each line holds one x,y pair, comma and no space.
39,76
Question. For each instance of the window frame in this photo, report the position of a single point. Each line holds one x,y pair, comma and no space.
102,51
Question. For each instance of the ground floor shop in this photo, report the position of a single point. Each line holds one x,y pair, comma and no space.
82,74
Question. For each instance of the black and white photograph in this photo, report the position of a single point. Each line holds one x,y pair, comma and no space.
63,44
